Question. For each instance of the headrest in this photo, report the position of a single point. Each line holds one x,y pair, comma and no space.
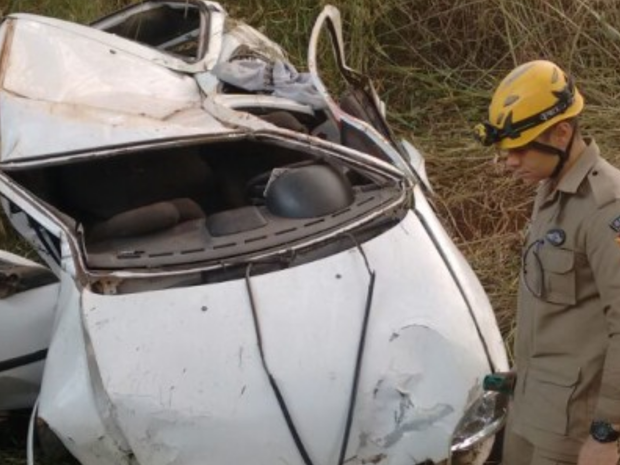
307,192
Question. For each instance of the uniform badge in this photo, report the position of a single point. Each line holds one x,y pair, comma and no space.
615,225
556,237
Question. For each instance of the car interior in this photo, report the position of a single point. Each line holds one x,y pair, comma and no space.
200,202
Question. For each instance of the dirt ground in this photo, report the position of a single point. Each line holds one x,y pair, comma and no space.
13,431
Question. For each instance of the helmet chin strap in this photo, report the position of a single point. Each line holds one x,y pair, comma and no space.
563,155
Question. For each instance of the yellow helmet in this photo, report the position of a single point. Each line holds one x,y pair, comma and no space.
532,98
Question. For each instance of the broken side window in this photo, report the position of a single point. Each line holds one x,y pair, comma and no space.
171,27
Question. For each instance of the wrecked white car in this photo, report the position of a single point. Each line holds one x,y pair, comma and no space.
241,267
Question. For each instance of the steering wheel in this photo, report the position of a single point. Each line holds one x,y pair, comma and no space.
255,188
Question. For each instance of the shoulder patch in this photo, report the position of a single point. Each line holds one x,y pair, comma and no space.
615,225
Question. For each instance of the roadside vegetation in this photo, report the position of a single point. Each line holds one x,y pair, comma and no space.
435,63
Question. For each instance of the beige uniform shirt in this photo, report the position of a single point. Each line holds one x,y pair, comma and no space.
567,348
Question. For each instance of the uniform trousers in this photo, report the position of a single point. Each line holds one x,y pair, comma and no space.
519,451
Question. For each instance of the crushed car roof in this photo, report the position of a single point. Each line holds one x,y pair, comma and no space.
80,88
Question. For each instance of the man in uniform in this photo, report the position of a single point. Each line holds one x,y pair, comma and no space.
566,405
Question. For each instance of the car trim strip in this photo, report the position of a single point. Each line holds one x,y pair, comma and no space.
459,285
274,385
23,360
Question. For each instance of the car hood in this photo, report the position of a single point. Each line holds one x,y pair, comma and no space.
183,370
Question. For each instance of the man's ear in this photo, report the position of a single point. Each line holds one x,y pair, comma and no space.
561,132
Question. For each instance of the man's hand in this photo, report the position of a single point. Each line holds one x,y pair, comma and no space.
596,453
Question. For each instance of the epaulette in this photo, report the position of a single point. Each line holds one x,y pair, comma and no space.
604,181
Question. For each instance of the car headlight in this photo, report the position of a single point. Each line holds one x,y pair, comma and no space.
483,419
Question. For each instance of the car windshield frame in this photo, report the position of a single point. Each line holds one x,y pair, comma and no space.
129,17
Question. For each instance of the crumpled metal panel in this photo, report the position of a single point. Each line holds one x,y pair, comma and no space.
25,329
472,288
70,386
184,377
57,82
56,65
85,128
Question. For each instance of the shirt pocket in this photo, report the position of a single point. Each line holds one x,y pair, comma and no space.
559,275
547,398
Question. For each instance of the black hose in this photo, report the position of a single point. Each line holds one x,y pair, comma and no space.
274,385
356,374
360,356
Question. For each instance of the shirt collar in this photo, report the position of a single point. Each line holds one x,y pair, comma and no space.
578,172
573,178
